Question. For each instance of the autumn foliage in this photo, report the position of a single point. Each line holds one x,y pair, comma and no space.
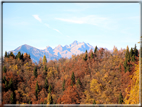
94,77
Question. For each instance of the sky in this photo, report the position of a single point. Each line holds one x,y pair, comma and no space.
50,24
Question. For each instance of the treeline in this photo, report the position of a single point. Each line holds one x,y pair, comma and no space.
18,56
94,77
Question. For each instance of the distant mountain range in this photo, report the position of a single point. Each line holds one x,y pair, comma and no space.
56,53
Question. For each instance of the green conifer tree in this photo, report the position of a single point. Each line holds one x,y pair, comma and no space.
11,54
125,63
133,58
29,56
94,102
92,55
12,98
131,53
4,79
127,68
71,83
45,68
73,78
4,69
21,56
135,50
95,49
29,102
45,101
6,85
8,55
78,82
46,84
63,86
120,68
10,83
127,54
35,72
85,59
120,100
49,89
128,58
5,53
37,89
18,55
50,99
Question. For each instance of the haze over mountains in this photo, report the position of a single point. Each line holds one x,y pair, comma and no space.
56,53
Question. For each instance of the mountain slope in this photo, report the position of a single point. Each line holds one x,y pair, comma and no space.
56,53
35,53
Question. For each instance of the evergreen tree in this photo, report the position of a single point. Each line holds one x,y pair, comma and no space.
46,84
12,98
5,53
45,102
125,63
8,55
49,89
85,59
50,99
45,68
127,54
4,79
128,58
10,83
135,51
63,86
73,78
120,100
94,102
86,51
21,56
37,89
6,85
71,83
133,58
92,55
44,59
18,55
51,102
35,72
11,54
120,68
78,82
4,69
127,68
29,56
29,102
95,49
131,52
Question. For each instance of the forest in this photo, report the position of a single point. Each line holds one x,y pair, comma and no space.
95,77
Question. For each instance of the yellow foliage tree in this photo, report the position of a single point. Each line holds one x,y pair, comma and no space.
88,99
51,72
49,99
44,59
132,97
95,86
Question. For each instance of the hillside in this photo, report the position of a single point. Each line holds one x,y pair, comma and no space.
93,77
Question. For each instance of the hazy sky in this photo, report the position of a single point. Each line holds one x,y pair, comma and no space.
51,24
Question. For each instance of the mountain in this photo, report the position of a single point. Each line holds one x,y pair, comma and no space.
36,53
56,53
